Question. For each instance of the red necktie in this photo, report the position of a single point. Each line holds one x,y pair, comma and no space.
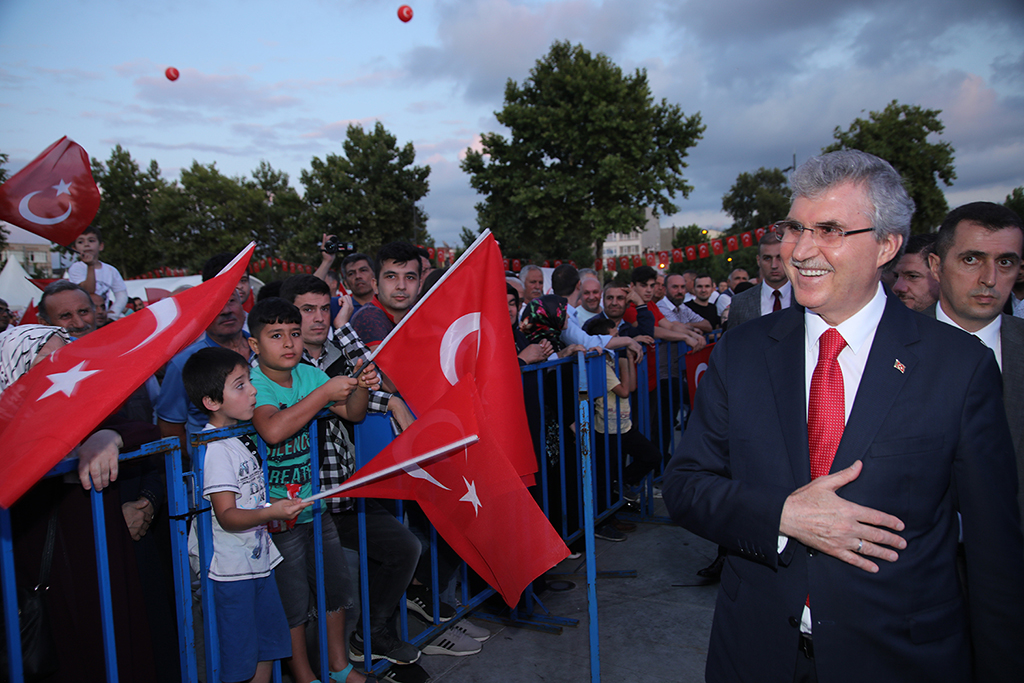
826,413
777,304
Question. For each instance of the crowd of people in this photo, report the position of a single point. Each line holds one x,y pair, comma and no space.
816,562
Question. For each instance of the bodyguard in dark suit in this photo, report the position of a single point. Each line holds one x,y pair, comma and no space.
773,293
838,498
976,261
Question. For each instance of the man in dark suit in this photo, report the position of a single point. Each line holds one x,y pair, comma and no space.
774,292
837,497
977,258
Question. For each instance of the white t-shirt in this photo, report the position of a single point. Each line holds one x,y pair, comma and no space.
237,555
109,284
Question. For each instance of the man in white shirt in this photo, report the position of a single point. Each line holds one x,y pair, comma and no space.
773,294
590,297
673,305
837,496
976,261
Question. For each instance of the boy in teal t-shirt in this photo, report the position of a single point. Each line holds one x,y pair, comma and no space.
289,396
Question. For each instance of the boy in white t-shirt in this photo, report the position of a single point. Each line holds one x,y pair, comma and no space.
251,623
97,277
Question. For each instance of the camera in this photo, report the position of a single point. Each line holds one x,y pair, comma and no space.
333,246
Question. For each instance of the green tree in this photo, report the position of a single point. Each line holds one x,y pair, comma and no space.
757,199
588,151
468,237
899,134
208,213
282,214
1015,201
132,243
368,196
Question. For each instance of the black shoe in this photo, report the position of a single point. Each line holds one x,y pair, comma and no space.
421,603
406,673
383,645
609,533
714,570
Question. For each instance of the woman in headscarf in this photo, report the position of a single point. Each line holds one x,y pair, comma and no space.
73,600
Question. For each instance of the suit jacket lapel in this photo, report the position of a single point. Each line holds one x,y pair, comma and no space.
1012,337
881,382
784,358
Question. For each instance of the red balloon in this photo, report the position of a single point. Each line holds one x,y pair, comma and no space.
405,13
171,73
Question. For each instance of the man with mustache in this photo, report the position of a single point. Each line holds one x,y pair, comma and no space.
838,496
976,261
65,304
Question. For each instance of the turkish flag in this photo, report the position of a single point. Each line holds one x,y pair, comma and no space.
31,314
42,282
703,251
747,239
81,384
759,233
716,246
663,258
731,243
504,263
637,261
691,253
696,364
154,294
598,263
652,260
473,497
54,196
558,262
459,328
624,262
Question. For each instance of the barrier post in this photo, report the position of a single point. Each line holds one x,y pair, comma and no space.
583,429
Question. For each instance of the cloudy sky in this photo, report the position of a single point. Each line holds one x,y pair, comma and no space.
282,81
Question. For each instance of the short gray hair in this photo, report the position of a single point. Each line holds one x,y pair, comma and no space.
893,207
526,269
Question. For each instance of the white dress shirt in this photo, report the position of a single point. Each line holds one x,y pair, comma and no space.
768,301
679,314
989,335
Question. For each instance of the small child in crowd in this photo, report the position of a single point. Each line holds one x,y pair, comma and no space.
97,277
290,395
251,624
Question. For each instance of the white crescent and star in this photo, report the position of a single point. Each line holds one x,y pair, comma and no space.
699,372
453,336
26,212
165,312
66,382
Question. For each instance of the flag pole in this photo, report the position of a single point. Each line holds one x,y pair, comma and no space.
458,262
388,471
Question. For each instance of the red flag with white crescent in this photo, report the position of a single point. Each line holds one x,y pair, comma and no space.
703,250
747,239
55,405
732,243
716,246
54,196
461,328
696,365
691,253
472,495
677,255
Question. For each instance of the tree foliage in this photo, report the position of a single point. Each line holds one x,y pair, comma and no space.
899,134
132,240
588,151
757,199
368,196
1015,201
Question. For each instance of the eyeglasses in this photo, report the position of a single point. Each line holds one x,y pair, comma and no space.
821,235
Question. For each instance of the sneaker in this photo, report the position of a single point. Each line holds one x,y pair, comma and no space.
383,645
477,633
657,492
421,603
609,533
453,643
630,493
406,673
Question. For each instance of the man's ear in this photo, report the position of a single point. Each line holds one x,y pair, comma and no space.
254,345
210,404
935,265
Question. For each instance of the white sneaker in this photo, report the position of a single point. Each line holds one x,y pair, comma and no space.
452,642
477,633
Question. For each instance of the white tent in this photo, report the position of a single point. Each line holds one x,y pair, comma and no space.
15,287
